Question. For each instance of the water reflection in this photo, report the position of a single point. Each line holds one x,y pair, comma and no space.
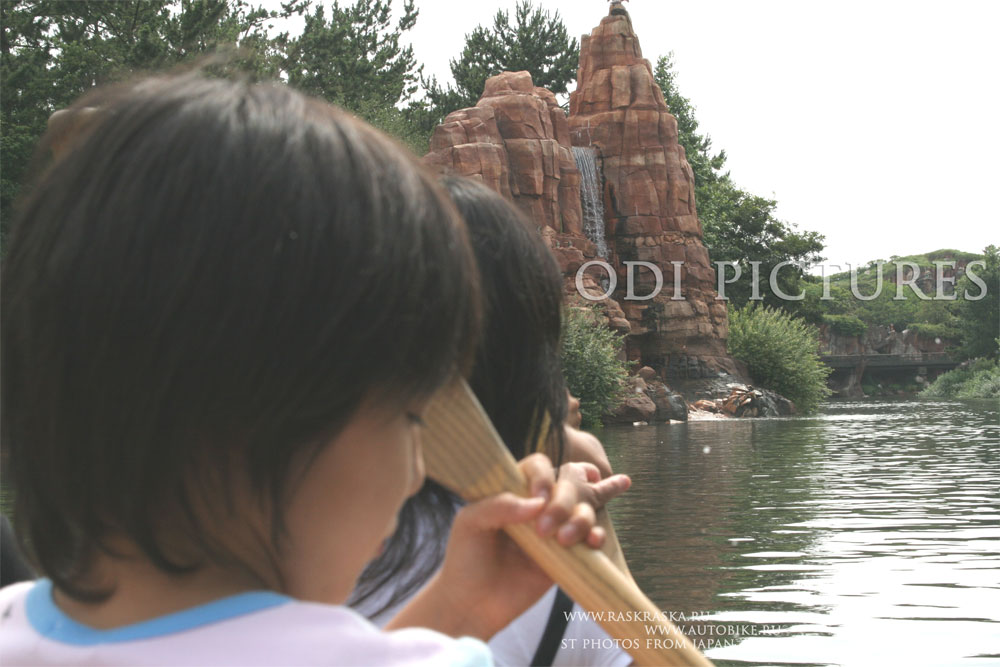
868,535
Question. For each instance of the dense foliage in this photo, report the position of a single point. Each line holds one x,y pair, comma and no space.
51,51
740,227
969,324
845,325
781,352
355,43
979,379
536,41
591,361
981,318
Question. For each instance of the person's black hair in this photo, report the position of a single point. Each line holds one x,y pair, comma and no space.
211,279
13,567
517,376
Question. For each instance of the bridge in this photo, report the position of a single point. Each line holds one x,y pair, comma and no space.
937,360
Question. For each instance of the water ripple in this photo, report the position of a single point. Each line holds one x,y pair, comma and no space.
839,538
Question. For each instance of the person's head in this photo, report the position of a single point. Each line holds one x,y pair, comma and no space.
212,283
517,375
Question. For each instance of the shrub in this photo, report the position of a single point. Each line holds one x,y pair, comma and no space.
947,385
980,379
781,352
984,384
591,361
846,325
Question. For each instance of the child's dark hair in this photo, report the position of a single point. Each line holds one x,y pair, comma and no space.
211,279
518,374
517,377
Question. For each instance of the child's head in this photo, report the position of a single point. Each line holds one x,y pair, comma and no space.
517,376
198,295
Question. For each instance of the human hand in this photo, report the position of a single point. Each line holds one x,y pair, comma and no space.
589,487
584,447
486,580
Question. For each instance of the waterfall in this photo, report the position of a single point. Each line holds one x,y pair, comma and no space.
592,198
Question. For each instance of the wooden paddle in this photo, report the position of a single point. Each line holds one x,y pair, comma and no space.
463,452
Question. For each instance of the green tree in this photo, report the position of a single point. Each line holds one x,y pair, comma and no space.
740,227
536,41
814,309
52,51
354,58
781,352
590,356
706,165
845,325
975,323
980,319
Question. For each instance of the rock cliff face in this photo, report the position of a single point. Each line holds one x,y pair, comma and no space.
516,141
519,141
649,195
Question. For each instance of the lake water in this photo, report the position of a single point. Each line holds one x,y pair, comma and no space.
866,535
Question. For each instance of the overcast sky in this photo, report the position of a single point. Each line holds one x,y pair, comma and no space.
875,123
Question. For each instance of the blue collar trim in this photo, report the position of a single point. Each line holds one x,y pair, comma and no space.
51,622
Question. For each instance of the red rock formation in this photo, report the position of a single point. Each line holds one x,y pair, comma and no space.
518,141
649,193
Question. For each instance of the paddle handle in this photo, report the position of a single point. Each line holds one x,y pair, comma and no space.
627,615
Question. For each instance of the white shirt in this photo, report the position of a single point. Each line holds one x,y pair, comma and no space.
584,642
515,645
255,629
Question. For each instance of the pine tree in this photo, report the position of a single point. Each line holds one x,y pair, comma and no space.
536,41
354,58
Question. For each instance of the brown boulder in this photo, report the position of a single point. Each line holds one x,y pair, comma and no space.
517,141
636,408
507,83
